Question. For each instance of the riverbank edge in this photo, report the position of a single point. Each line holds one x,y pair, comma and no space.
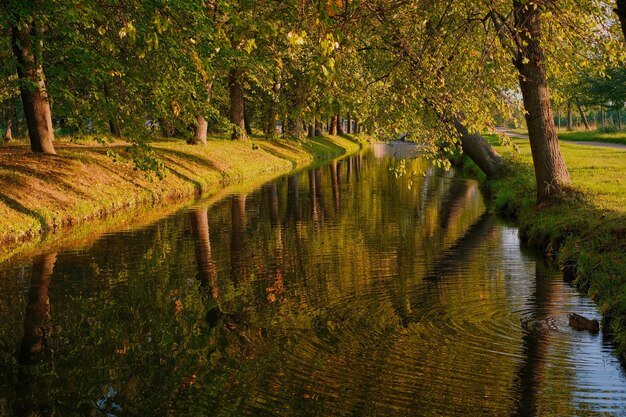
586,243
27,219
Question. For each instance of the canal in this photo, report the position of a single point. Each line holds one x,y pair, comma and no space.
369,286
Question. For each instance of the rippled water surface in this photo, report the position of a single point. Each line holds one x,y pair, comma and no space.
339,291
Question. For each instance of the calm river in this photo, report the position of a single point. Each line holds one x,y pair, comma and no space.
342,290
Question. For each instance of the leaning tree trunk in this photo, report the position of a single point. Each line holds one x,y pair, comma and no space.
583,116
235,84
478,150
33,88
620,10
550,170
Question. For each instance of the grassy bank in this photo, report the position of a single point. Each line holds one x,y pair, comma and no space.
584,136
43,195
584,232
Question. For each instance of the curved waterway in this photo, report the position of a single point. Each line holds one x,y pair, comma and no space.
342,290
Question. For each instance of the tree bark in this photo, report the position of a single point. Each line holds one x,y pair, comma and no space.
619,119
235,84
332,129
311,132
583,116
620,10
550,170
33,88
349,127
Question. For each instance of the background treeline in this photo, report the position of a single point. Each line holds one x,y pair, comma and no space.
440,70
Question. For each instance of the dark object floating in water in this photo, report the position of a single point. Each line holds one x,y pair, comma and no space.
579,322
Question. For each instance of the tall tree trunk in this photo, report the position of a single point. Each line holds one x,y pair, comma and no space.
478,149
349,127
7,136
558,119
235,85
583,116
114,124
272,114
619,119
33,87
620,10
570,120
332,129
340,130
247,114
318,128
311,132
298,126
550,170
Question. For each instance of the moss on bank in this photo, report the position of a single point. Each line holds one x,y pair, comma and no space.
585,231
43,195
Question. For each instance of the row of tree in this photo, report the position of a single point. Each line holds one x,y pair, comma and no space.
181,68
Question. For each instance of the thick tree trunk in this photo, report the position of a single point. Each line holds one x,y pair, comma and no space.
570,120
114,124
311,132
332,129
478,149
33,89
235,85
550,170
583,116
349,127
620,10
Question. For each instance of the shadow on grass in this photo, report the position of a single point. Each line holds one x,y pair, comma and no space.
15,205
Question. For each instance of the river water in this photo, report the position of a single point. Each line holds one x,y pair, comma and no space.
342,290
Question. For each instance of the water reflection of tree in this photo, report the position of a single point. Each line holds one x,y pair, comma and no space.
32,397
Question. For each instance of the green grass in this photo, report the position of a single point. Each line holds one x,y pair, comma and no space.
595,136
584,230
618,136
